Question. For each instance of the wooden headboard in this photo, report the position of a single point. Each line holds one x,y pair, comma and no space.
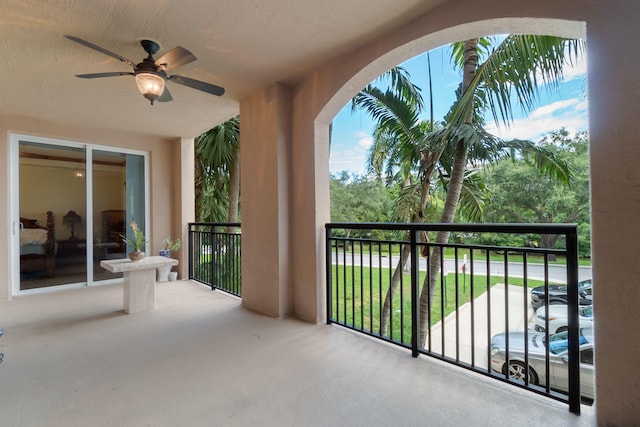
30,223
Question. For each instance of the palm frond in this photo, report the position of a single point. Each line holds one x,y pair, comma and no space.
546,161
472,196
519,66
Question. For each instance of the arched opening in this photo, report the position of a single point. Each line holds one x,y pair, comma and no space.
371,322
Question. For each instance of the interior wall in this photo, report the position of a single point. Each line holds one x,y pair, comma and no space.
34,195
163,166
60,174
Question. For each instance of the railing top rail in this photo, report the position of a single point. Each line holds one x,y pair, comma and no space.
512,249
215,224
503,228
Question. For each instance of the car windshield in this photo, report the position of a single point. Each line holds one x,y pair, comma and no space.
559,343
585,286
586,311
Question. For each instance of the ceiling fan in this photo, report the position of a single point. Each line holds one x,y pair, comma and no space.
151,74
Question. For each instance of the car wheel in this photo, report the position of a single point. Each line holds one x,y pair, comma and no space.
518,371
561,329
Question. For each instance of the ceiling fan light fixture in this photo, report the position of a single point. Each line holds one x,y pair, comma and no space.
150,85
150,74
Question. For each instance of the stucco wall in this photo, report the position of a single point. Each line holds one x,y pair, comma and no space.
265,153
614,129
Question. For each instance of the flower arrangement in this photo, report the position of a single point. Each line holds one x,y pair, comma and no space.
172,245
137,242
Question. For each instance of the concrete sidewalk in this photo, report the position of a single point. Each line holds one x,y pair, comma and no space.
488,320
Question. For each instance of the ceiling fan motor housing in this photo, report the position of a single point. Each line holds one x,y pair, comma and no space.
150,46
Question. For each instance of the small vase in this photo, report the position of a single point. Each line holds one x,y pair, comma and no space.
165,253
136,255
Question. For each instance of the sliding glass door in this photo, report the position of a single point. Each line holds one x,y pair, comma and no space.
70,208
119,197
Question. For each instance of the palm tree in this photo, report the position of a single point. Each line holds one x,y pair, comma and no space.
520,63
218,172
405,148
402,152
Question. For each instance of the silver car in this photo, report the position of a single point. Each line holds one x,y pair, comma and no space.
559,317
558,357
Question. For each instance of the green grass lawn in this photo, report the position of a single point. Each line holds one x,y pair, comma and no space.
358,294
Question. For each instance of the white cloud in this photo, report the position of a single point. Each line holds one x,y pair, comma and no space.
364,140
576,70
569,114
550,109
350,154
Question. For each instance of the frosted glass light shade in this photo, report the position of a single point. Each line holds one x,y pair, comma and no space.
150,85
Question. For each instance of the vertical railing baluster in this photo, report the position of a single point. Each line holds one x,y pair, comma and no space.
573,326
329,273
415,294
401,288
371,325
547,334
472,301
443,301
390,274
362,325
525,307
506,307
488,283
429,251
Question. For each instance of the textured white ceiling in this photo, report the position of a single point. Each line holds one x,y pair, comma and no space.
240,44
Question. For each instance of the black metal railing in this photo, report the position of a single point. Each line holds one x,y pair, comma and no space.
214,255
473,294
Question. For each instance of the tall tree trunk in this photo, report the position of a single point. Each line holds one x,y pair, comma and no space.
199,187
234,189
393,286
428,162
448,214
452,199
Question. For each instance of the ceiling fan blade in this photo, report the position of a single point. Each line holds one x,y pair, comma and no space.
176,57
100,49
166,96
98,75
197,84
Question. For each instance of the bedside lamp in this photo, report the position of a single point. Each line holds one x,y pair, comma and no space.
71,218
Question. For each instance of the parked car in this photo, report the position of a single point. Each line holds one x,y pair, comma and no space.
558,377
558,294
559,317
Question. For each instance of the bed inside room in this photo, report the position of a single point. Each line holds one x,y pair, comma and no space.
38,247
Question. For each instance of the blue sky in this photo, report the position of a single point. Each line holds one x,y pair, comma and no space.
351,137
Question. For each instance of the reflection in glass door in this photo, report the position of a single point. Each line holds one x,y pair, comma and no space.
52,207
109,209
119,198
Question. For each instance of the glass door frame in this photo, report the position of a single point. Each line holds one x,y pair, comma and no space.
14,225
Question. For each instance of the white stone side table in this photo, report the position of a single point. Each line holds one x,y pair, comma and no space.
139,280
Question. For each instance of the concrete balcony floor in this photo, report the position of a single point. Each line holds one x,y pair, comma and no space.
74,358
